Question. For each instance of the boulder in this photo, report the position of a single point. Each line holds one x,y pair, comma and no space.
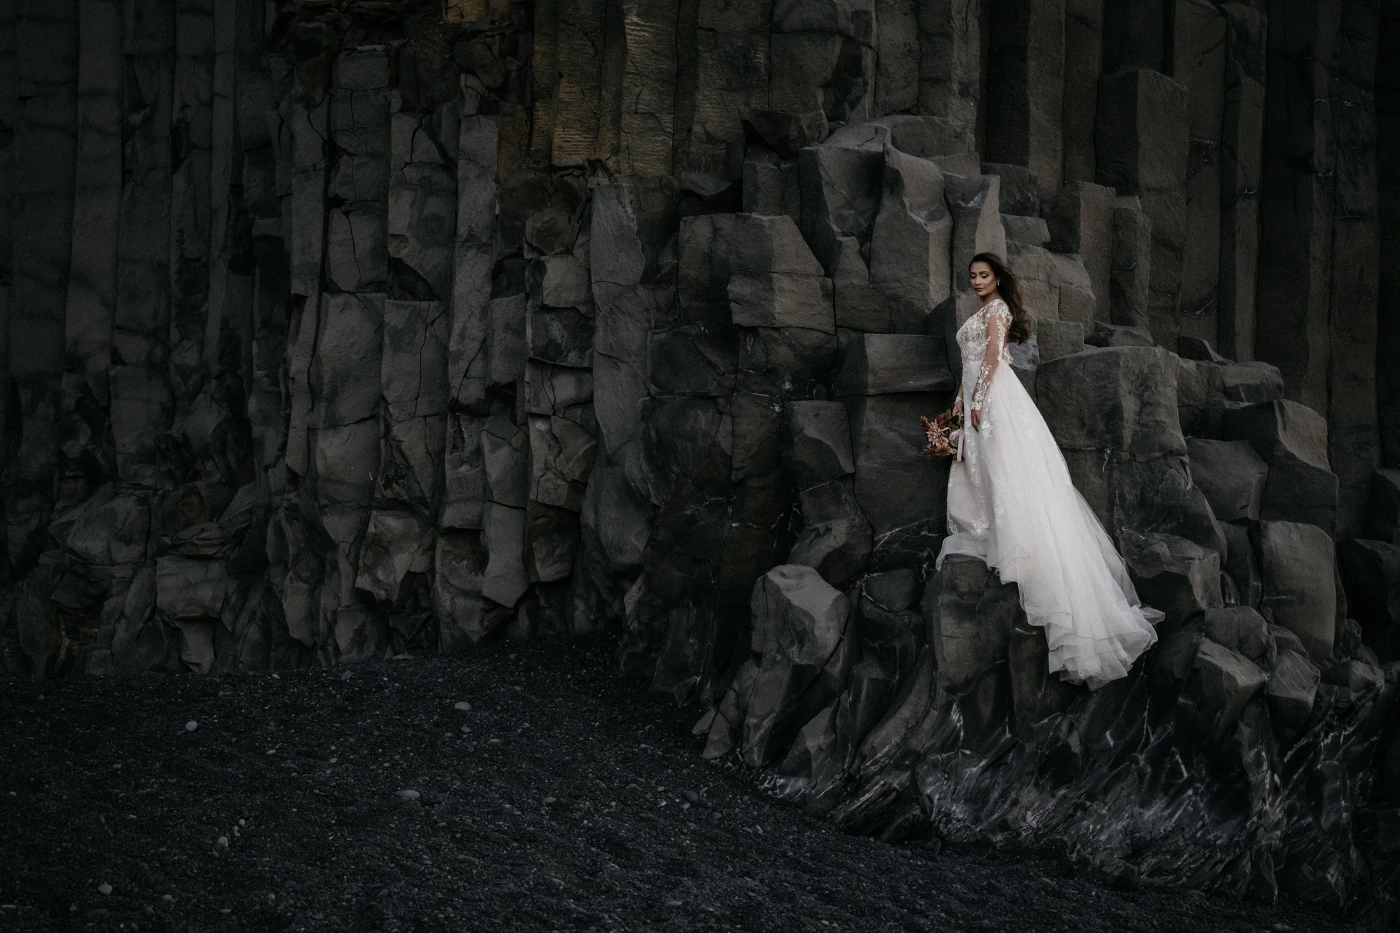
885,364
1119,398
562,454
1242,565
1080,221
1292,439
817,442
1019,194
1131,262
838,548
785,362
1025,231
1037,695
975,205
692,360
1149,495
1243,631
107,532
971,627
784,132
900,490
771,187
1197,348
1198,398
799,640
1299,587
396,544
1232,476
1291,692
1055,339
1222,682
552,537
1355,680
705,245
1074,291
459,572
191,590
762,244
563,336
893,590
841,182
1370,572
1251,382
503,533
1174,575
912,234
783,300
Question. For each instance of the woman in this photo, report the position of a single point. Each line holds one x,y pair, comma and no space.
1012,504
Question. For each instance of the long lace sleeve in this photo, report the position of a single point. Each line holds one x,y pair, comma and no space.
998,325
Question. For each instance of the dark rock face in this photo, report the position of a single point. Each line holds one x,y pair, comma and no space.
336,332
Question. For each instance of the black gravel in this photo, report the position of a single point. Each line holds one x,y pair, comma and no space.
565,798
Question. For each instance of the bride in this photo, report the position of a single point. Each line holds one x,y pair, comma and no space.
1011,503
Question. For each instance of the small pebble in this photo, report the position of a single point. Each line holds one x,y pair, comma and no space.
167,897
673,903
191,726
104,889
409,794
223,842
691,796
463,705
551,800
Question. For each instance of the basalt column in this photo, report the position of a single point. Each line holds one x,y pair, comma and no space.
1388,166
45,154
1353,441
1026,86
1297,196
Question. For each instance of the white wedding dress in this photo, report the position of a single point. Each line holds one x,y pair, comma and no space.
1012,504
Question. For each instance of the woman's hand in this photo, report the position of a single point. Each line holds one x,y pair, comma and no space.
958,407
977,419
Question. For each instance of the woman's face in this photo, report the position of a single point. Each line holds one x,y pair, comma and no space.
984,281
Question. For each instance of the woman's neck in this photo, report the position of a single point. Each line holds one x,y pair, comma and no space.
988,299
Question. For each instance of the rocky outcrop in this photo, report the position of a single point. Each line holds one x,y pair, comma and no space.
338,331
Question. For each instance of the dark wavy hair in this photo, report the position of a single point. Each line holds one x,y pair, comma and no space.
1010,291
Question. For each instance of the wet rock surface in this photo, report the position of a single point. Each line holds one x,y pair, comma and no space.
524,788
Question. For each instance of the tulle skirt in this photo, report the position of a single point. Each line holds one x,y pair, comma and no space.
1012,504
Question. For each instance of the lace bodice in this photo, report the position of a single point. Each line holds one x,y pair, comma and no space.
982,339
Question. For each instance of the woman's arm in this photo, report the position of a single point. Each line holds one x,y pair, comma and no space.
998,325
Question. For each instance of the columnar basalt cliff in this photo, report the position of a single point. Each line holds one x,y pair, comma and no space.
336,330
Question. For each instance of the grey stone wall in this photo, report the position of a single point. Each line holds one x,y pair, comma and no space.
388,326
